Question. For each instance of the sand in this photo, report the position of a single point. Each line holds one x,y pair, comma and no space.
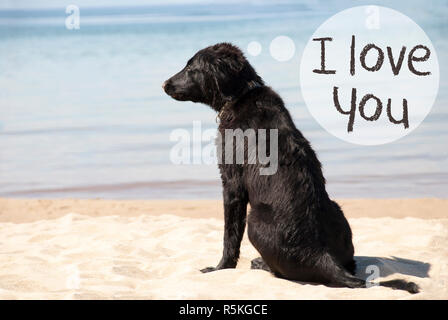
105,249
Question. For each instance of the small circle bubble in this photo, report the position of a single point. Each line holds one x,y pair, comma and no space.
254,48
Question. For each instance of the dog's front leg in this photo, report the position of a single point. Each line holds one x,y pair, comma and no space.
235,210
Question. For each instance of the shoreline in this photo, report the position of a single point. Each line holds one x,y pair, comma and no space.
19,210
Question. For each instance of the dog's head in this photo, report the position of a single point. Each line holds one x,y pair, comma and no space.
215,75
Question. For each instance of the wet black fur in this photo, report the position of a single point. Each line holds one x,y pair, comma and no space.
299,231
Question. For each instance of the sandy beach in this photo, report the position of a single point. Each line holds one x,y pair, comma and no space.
107,249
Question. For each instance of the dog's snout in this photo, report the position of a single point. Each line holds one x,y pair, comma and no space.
167,86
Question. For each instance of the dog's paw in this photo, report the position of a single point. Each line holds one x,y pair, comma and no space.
258,263
208,269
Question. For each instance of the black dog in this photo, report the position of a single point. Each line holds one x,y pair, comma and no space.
300,233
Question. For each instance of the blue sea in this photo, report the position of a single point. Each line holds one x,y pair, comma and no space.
83,114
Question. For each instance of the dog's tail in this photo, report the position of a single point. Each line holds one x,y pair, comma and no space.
341,278
401,284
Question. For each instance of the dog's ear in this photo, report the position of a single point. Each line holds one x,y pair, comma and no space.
234,63
230,77
232,74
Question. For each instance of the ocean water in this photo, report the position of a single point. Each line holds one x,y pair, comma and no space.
83,114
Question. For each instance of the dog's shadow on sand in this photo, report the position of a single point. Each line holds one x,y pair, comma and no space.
375,266
389,266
